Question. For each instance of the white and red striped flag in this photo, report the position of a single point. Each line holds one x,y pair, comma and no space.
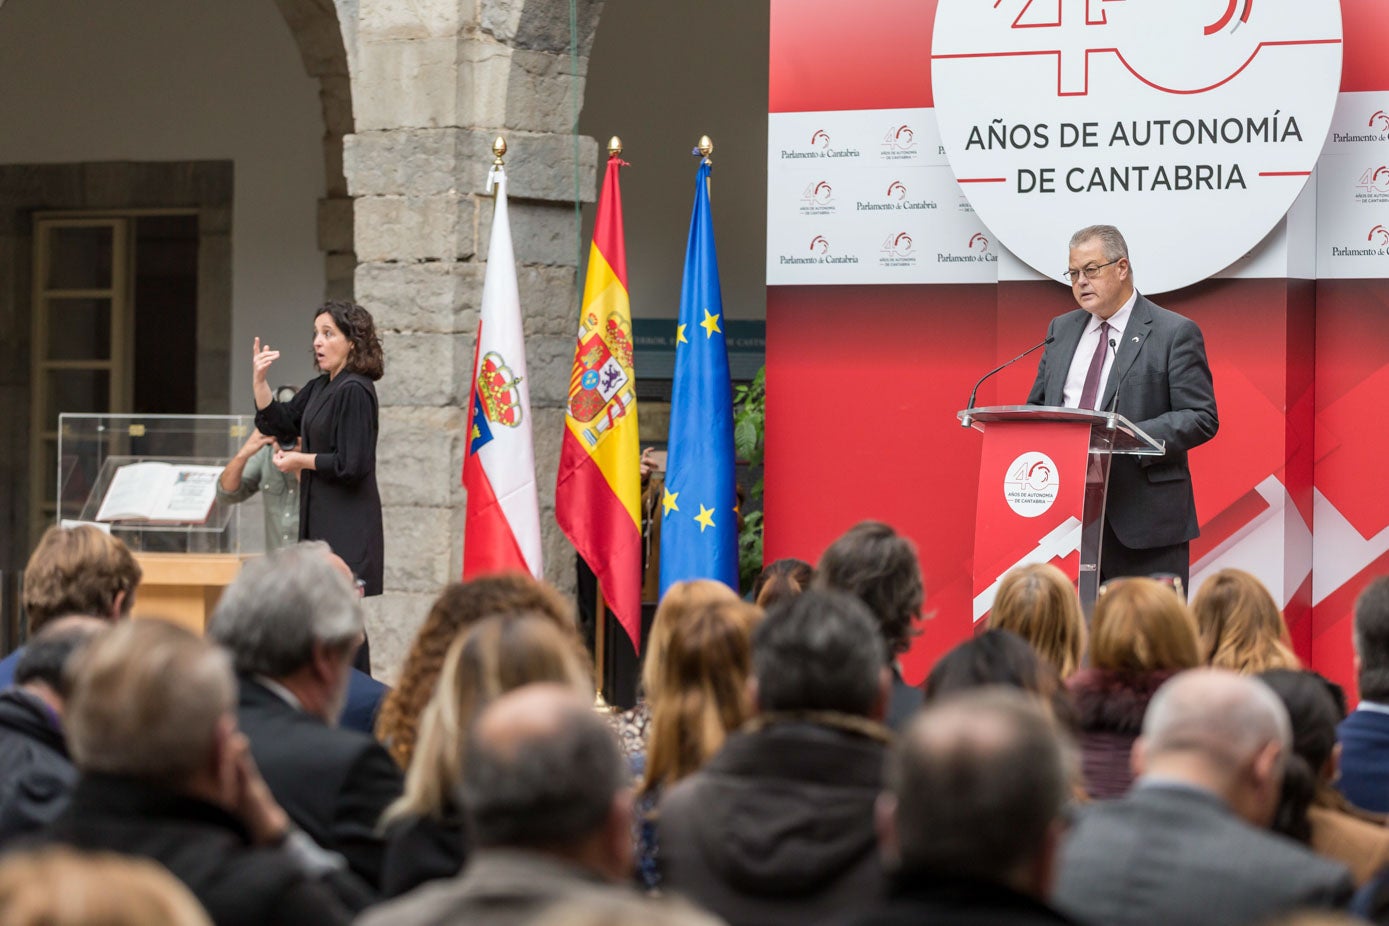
503,529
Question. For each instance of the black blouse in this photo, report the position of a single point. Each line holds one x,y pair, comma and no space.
338,501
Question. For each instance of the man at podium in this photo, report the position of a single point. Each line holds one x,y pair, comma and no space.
1119,352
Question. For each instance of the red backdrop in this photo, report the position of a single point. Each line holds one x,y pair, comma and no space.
863,382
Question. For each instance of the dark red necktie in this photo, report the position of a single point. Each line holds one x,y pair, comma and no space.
1090,393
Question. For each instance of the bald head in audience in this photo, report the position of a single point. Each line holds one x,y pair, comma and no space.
544,773
1223,732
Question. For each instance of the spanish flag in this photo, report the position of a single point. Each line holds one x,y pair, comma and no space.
598,493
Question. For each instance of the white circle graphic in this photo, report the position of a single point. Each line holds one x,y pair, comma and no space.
1031,483
1192,125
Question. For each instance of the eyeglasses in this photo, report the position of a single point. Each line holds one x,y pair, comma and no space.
1071,276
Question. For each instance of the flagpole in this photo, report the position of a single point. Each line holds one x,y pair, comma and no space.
704,148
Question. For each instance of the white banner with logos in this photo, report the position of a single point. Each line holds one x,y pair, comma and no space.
1353,190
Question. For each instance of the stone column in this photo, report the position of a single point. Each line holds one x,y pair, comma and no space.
434,82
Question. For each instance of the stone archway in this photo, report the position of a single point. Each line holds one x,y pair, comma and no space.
317,27
434,81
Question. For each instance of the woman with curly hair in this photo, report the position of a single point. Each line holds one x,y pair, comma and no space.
458,607
1241,627
426,836
1040,604
1142,634
327,437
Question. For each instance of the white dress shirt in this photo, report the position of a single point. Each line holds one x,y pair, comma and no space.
1085,352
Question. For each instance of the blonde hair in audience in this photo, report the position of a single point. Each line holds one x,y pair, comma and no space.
459,606
680,600
78,570
699,691
1140,625
61,887
146,700
1040,604
493,657
1240,625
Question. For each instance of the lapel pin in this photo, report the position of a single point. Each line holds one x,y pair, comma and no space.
1136,339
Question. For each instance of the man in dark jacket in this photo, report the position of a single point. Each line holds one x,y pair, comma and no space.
971,818
166,776
778,827
292,623
36,775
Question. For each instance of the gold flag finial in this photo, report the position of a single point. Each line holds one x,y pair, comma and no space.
498,149
706,148
614,147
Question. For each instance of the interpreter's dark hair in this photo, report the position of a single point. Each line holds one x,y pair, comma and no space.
355,323
1314,715
543,792
1372,639
879,566
819,651
50,653
780,580
979,778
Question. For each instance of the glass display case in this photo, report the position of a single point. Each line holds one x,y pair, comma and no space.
93,449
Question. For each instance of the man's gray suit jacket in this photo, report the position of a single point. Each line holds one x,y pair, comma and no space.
1168,854
1160,381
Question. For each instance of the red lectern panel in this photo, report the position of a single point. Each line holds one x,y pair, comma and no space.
1031,499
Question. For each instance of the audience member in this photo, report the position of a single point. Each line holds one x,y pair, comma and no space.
699,694
166,776
681,600
426,836
1189,843
293,624
459,606
59,887
1364,734
1240,625
1141,635
1310,810
778,826
549,805
872,562
1040,604
781,579
36,775
1001,657
364,693
971,819
75,570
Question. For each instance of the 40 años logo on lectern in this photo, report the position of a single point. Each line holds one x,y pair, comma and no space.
1031,484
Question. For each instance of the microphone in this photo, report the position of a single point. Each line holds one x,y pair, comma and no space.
1113,409
968,420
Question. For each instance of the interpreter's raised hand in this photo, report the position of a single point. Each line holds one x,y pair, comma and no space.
261,358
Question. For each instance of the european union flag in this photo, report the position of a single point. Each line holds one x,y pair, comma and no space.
699,527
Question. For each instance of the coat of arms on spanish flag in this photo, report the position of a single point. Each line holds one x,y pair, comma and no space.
598,492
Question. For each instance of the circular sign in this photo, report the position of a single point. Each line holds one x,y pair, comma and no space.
1031,483
1192,125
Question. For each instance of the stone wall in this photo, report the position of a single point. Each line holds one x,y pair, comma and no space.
433,82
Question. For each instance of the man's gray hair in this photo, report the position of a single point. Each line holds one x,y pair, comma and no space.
1224,717
979,777
280,605
1109,237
